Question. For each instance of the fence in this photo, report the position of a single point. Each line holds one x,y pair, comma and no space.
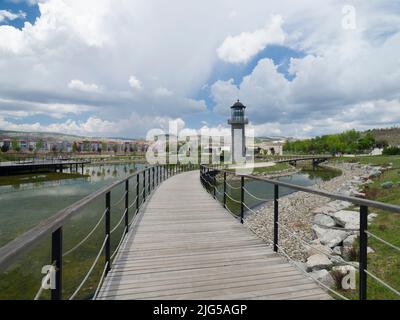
147,181
208,178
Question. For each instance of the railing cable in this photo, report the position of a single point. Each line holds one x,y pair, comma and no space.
252,195
100,282
232,198
90,270
133,203
383,241
382,282
119,244
120,200
88,235
309,276
119,222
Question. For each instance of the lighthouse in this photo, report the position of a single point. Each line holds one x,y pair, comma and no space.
238,122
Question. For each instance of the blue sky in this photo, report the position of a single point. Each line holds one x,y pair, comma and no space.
121,68
30,9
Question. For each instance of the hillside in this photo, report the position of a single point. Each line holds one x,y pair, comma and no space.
391,135
50,136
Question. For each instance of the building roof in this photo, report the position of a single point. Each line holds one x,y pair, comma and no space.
238,104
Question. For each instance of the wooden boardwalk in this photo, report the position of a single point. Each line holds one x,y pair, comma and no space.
186,246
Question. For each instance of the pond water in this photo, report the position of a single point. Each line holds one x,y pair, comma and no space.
24,205
261,191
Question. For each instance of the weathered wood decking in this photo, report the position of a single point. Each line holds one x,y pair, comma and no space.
186,246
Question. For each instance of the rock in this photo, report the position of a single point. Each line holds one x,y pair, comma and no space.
347,219
319,249
339,205
324,220
324,210
348,244
370,250
355,193
349,241
372,216
387,185
344,269
318,232
337,251
323,276
330,237
316,241
318,262
337,260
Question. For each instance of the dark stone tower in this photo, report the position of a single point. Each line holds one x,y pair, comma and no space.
238,122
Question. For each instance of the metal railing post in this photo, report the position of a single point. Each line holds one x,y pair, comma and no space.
56,257
107,249
137,193
241,199
215,186
276,217
144,185
152,170
363,253
149,181
127,206
224,189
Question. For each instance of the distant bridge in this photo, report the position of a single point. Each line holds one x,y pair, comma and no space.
20,167
316,160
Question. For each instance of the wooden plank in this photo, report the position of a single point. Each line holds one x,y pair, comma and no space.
186,246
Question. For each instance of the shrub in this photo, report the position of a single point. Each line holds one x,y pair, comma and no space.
391,151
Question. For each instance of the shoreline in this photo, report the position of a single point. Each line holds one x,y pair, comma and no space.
298,209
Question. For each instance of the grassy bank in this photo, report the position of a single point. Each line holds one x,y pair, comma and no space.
385,262
277,168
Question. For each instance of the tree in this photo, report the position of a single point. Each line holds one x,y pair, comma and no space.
39,145
115,148
5,148
74,147
15,145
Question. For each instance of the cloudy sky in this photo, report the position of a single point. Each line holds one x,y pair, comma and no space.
122,67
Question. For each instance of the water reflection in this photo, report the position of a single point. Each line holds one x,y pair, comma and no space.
263,191
23,205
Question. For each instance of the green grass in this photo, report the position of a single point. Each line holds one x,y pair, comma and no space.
374,160
273,169
385,262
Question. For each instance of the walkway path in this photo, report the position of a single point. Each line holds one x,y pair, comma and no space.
186,246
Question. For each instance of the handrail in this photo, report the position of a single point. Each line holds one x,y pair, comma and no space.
152,177
335,196
23,243
364,204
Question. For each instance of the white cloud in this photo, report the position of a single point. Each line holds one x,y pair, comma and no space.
19,108
173,52
243,47
81,86
8,15
135,83
161,91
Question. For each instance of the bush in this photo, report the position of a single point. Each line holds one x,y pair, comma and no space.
391,151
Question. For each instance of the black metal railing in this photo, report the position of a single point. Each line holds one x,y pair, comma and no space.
11,252
208,176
